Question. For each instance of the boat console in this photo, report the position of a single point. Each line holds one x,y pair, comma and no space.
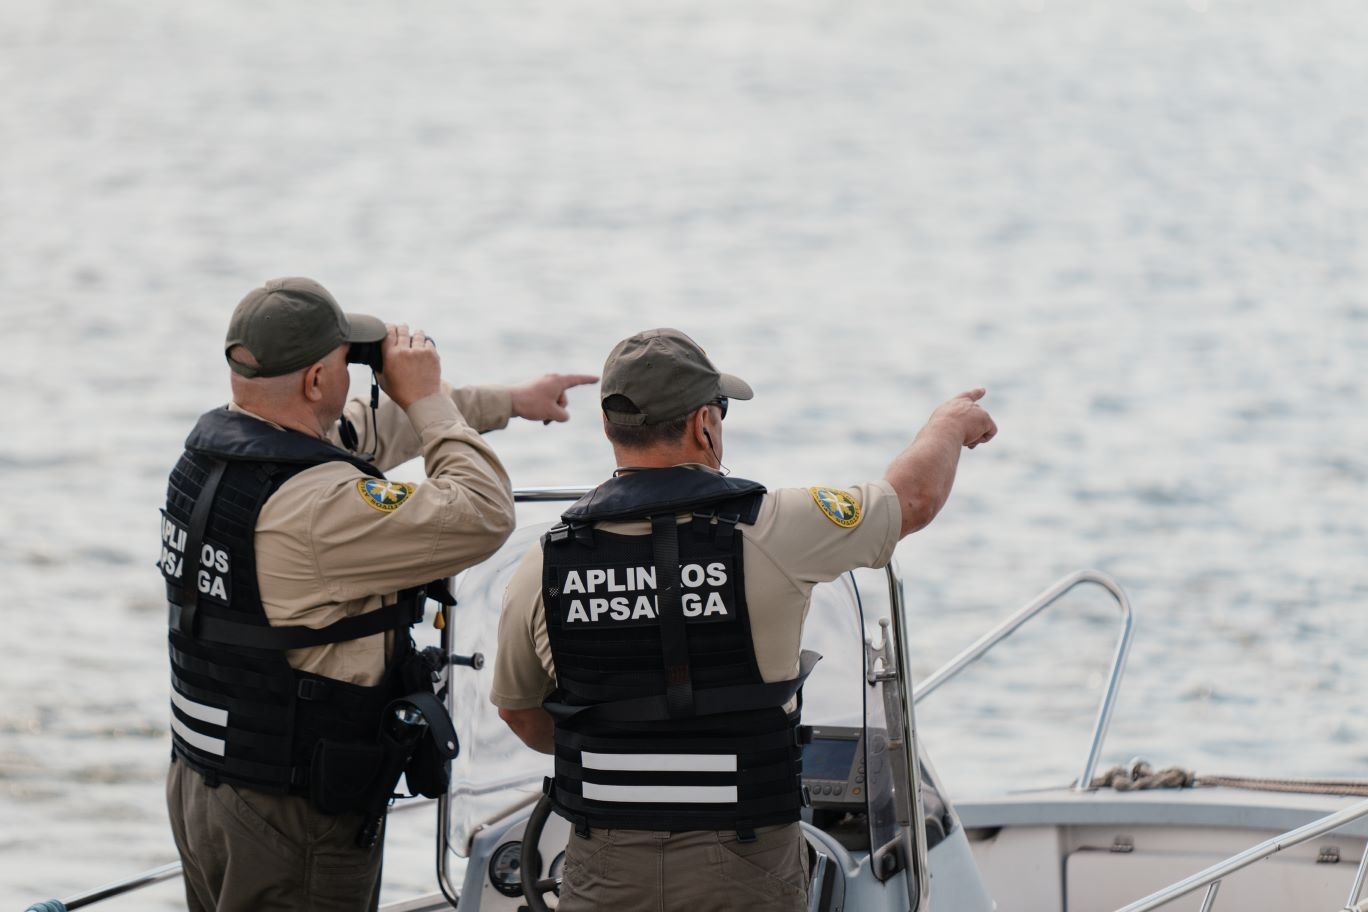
834,768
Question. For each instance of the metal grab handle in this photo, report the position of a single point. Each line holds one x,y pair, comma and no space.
136,882
1352,904
1030,610
1263,850
898,649
549,494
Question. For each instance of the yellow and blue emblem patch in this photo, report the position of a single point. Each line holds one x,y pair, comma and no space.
384,495
838,506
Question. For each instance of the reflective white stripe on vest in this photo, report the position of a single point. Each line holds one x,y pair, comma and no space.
195,739
661,794
205,713
660,763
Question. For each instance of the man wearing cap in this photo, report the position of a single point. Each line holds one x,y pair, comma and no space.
294,570
652,642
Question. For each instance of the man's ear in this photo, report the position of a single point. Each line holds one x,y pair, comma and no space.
698,429
313,390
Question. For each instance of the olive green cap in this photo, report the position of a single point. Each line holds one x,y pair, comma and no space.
662,374
290,323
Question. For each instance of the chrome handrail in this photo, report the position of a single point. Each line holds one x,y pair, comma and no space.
549,493
1024,614
450,892
1217,872
920,850
1356,891
167,871
136,882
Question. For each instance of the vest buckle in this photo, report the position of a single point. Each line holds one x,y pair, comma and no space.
312,689
726,528
720,527
181,618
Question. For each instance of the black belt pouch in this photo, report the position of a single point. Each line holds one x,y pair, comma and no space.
343,774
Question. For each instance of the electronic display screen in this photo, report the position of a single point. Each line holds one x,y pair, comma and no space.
828,759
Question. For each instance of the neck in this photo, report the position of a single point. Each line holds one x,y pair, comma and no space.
634,460
628,470
303,421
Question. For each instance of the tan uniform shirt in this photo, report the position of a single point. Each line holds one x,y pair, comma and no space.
328,548
793,545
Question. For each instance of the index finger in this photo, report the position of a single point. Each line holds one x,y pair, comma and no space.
569,380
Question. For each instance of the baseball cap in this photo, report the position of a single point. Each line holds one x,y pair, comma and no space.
290,323
663,374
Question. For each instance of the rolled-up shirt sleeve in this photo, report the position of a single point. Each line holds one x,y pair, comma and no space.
523,666
811,546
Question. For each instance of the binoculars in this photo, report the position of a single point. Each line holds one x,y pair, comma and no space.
365,353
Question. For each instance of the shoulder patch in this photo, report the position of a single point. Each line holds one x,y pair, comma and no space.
838,506
383,495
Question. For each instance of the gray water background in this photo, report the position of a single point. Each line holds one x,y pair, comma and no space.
1143,226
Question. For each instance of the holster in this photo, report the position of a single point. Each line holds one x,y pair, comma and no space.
402,726
428,772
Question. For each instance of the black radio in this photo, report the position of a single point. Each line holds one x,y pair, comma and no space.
834,766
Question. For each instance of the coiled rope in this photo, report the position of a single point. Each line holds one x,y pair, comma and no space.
1141,775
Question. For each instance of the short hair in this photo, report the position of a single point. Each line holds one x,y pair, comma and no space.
642,436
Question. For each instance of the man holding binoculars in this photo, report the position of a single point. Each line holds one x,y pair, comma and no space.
294,570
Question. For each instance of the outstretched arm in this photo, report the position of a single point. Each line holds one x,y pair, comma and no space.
923,474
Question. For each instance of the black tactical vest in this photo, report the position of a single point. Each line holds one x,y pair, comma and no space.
240,713
662,719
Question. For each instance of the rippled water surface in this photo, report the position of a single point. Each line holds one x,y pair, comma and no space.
1143,226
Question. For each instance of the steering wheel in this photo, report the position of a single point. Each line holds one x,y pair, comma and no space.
533,890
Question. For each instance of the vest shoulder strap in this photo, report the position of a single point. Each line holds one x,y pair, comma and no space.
674,641
199,522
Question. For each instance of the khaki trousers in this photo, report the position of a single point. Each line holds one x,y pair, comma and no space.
705,871
249,850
